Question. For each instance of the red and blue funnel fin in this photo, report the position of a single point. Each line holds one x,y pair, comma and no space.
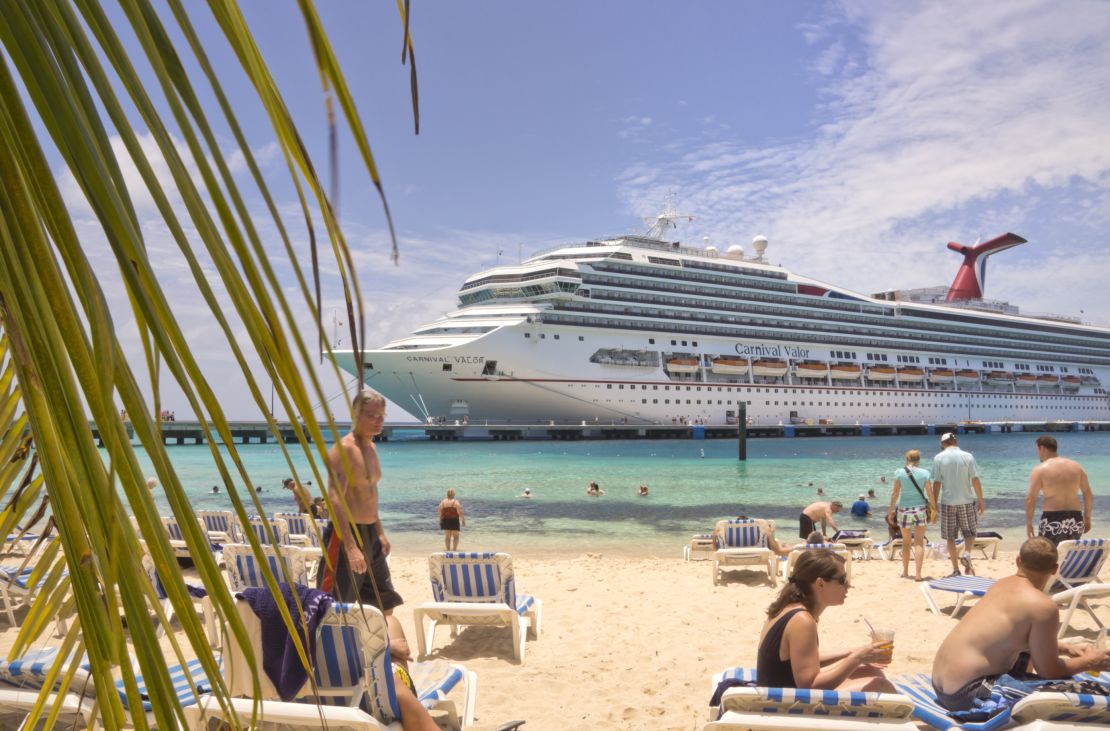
971,279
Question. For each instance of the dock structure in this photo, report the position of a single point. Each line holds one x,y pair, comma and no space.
258,432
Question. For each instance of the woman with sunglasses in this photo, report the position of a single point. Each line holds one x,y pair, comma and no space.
788,653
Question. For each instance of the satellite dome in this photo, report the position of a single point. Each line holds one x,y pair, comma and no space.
711,250
736,251
759,244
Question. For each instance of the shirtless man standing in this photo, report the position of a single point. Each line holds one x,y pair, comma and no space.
819,511
1062,480
1015,616
354,472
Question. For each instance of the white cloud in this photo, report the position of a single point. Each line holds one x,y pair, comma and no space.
948,120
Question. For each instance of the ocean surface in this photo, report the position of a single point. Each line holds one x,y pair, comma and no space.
692,485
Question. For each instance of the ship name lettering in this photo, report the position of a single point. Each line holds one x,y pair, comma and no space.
470,359
772,351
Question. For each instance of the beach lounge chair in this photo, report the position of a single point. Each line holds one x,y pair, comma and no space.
476,589
701,546
300,527
279,716
16,705
742,543
203,603
218,523
1048,711
737,673
257,526
244,571
20,585
858,542
1073,586
891,548
837,548
800,709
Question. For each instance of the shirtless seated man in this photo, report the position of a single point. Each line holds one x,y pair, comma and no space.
1015,616
820,511
1062,481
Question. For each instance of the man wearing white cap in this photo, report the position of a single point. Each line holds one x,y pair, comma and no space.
958,492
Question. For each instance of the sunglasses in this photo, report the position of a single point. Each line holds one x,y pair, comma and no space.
842,579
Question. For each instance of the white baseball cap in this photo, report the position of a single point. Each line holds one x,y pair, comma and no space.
947,437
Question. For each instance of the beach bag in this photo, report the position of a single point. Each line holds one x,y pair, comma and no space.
930,511
449,512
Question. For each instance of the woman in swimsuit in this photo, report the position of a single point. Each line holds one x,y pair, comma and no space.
788,653
451,520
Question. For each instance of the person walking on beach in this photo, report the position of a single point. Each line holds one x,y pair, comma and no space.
820,511
451,520
956,488
910,505
1014,617
354,568
1062,480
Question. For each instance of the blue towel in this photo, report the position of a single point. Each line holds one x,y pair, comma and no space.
279,653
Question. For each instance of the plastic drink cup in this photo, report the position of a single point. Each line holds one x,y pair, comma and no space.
883,639
1100,643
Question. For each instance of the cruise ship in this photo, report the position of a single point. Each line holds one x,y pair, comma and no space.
634,329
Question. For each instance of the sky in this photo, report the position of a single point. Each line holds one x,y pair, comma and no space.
858,137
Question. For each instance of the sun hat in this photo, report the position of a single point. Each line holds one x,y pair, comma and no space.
862,496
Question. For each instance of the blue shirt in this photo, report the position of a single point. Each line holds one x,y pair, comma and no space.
908,496
861,508
954,469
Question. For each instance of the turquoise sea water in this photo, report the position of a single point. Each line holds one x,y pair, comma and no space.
692,483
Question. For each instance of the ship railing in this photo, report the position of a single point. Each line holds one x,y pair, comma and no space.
638,242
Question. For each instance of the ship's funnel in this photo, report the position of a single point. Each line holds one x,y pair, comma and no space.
971,279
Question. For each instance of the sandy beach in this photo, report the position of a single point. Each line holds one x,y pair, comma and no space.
632,643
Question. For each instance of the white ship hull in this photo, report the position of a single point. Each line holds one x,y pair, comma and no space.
539,380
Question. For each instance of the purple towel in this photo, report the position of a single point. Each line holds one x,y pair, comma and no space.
279,652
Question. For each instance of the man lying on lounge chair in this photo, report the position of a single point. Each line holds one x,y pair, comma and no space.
1014,622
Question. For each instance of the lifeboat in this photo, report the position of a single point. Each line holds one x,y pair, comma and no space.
999,378
967,377
811,369
880,373
682,365
769,367
1071,383
942,375
911,374
845,371
1046,379
729,365
1026,380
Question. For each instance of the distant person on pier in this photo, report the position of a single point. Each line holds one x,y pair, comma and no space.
820,511
451,520
1062,481
355,545
956,488
909,509
861,508
300,495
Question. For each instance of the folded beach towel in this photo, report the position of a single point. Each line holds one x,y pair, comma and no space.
1008,690
279,653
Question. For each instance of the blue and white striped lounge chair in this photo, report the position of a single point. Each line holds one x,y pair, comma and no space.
203,603
476,589
1073,586
19,586
31,671
738,673
742,543
838,548
244,571
74,711
300,527
1048,711
891,548
800,709
218,523
279,716
257,526
354,669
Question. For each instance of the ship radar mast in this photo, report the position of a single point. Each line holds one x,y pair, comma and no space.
659,225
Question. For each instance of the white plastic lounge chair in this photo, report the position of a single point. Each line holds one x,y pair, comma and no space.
837,548
300,527
244,571
16,705
30,671
987,541
19,585
701,546
800,709
742,543
859,545
737,673
476,589
1073,586
177,537
204,604
257,526
891,548
279,716
1037,710
218,523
